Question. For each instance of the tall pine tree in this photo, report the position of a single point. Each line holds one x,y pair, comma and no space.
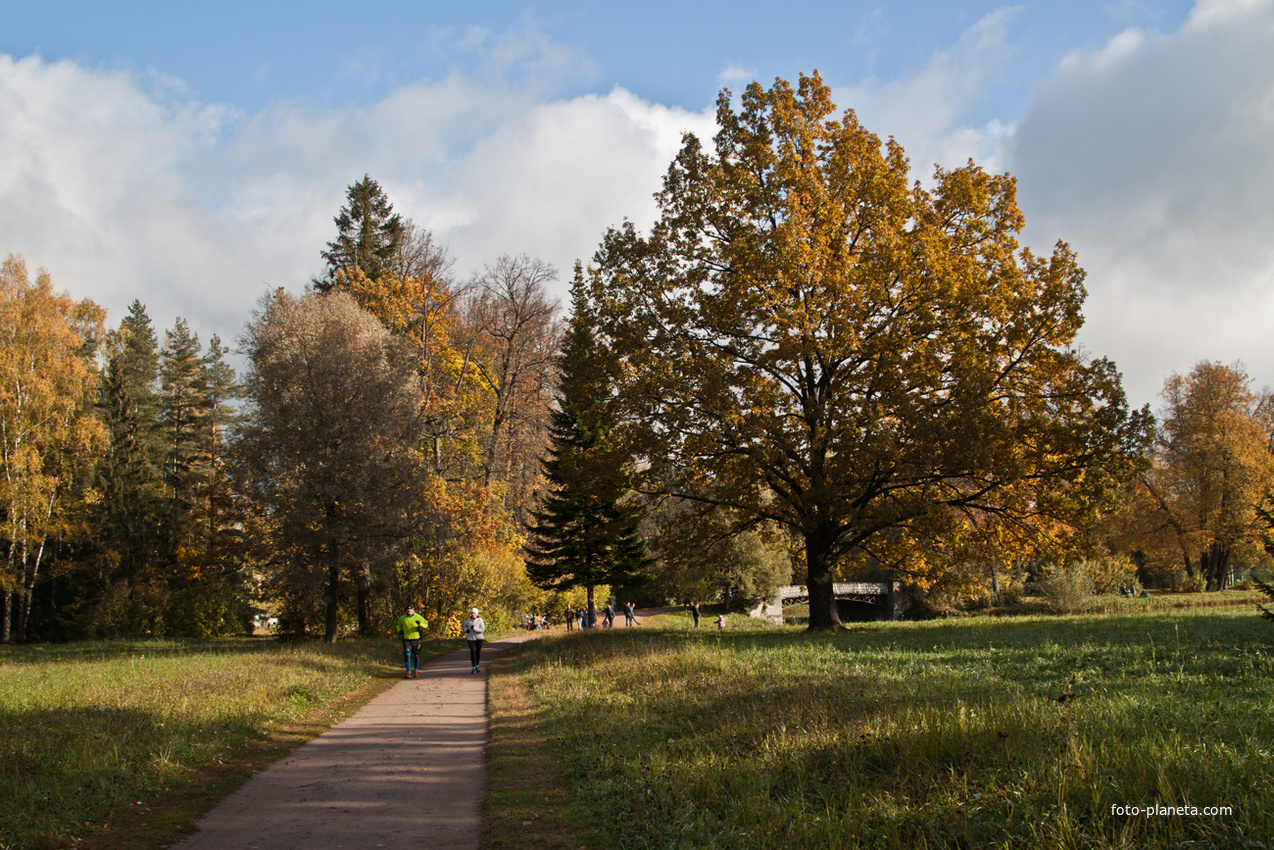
586,532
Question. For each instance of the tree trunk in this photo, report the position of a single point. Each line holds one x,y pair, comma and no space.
1214,563
334,553
363,576
24,601
333,597
820,559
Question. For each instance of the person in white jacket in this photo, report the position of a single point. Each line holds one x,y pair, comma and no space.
474,630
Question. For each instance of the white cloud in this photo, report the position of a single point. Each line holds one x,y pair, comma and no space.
1154,158
735,77
96,185
926,110
549,182
126,187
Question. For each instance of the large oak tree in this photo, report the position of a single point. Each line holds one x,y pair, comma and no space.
811,339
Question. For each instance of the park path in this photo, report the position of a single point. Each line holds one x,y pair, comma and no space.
408,768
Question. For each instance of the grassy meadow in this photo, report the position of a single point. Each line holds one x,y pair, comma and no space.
967,732
120,744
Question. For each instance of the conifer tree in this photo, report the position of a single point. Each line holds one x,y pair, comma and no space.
184,407
586,530
369,235
222,390
133,526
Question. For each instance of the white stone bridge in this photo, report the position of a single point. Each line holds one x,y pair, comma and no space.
887,600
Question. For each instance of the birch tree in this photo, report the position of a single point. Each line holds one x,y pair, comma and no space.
48,433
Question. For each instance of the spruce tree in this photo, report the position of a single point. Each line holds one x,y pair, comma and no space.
586,532
222,390
184,409
134,518
369,235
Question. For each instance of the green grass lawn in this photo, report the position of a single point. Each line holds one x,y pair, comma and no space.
119,744
971,732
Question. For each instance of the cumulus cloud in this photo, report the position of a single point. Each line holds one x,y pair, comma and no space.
106,182
125,187
1154,157
926,110
550,182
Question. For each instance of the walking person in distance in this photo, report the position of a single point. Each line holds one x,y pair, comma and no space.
474,631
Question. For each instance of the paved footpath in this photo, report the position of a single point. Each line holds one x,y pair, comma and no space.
408,768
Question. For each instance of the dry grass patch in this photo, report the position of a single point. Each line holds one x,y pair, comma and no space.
121,744
525,806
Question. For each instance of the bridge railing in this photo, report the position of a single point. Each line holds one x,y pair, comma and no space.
892,596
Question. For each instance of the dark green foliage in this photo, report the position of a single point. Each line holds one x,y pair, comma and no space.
161,553
184,410
1268,590
369,235
586,530
133,522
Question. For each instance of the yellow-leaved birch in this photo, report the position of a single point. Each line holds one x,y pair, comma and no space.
47,429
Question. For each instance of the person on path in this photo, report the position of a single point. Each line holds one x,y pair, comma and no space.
694,609
411,628
474,631
630,615
570,618
610,615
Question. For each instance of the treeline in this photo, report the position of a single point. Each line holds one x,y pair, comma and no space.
812,369
383,447
119,512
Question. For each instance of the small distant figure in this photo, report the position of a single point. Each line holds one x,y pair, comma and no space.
610,615
630,615
694,610
475,630
411,628
570,618
721,622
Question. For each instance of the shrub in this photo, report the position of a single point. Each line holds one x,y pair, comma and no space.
1067,590
1110,572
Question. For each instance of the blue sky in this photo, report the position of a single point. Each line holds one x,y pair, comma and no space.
194,157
